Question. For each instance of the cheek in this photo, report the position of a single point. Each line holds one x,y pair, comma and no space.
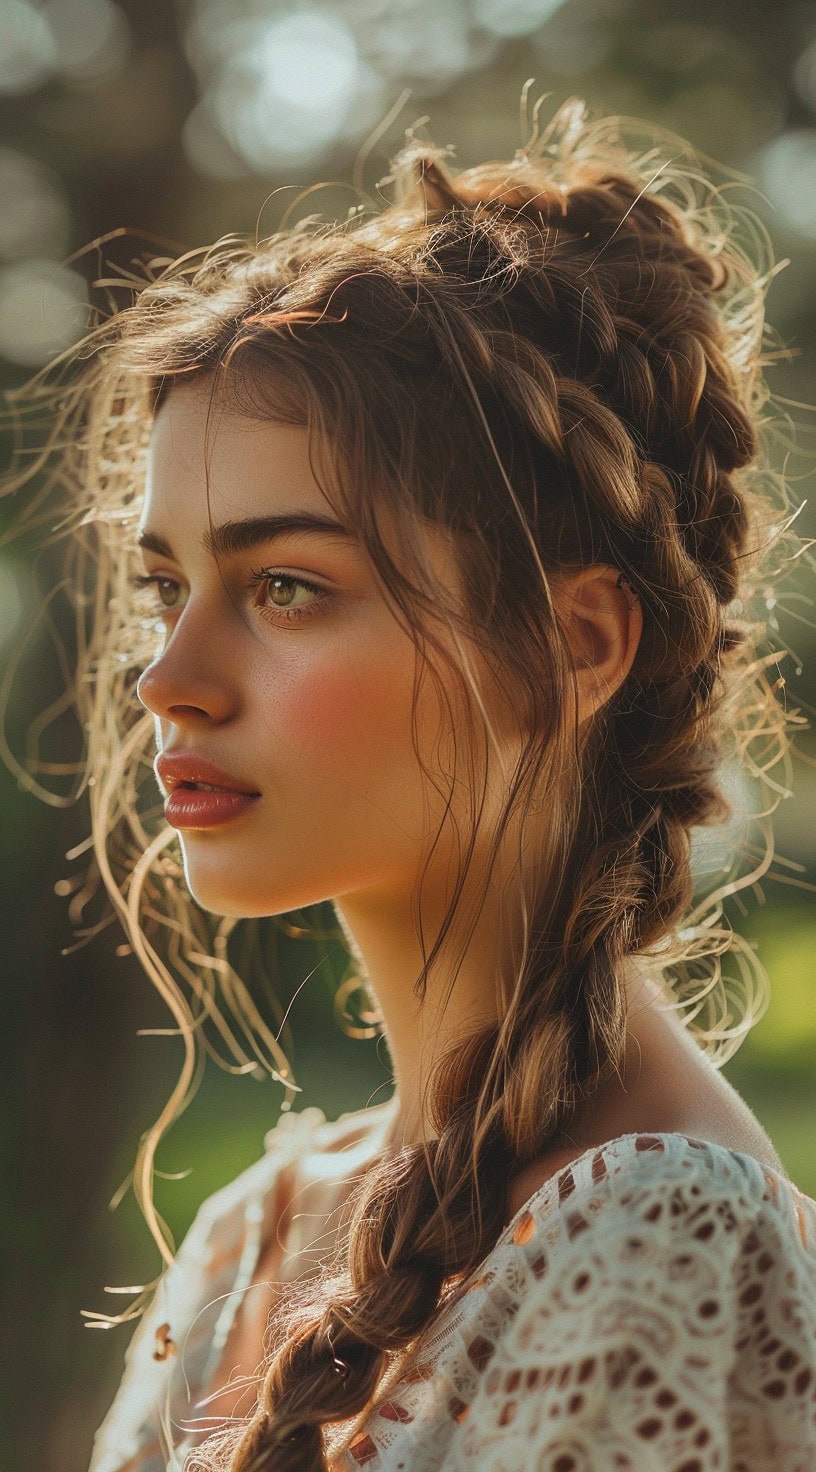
329,707
341,715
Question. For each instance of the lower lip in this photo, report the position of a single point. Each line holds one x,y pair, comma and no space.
187,808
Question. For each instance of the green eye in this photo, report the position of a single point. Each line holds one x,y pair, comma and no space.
284,584
163,584
287,584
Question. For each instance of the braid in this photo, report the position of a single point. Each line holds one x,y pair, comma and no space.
401,1248
558,366
601,349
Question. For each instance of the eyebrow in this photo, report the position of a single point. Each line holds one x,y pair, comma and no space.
233,537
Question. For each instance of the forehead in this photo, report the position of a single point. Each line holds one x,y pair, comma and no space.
208,462
198,442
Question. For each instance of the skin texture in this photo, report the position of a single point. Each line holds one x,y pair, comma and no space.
316,715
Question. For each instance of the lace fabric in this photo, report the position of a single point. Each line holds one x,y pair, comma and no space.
651,1308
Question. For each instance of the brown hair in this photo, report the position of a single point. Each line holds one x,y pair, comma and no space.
559,359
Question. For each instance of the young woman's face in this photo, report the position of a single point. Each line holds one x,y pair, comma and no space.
313,711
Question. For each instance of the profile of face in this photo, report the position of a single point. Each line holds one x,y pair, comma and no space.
301,690
284,664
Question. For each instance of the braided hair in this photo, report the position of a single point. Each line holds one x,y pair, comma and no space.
581,313
558,359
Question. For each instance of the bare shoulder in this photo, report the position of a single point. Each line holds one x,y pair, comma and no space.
667,1085
737,1128
682,1091
747,1138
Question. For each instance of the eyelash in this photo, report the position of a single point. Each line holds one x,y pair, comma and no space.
257,578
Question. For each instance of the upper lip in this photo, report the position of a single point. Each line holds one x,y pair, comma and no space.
176,767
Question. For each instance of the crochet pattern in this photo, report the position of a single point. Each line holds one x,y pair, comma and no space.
650,1308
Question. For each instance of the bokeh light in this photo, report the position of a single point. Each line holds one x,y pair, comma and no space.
34,214
284,88
92,37
284,97
206,147
787,172
278,89
79,40
513,17
28,50
43,310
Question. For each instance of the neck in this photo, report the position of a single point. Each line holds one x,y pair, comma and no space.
383,939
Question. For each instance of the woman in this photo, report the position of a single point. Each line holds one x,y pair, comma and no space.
447,516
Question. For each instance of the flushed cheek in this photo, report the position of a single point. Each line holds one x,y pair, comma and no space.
344,730
335,712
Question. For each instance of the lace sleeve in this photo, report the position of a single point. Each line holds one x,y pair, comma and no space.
673,1331
129,1434
190,1314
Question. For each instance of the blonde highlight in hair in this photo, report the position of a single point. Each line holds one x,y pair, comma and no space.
558,359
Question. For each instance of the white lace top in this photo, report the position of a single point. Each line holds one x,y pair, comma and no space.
650,1308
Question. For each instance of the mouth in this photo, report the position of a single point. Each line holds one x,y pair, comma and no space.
190,771
191,805
209,787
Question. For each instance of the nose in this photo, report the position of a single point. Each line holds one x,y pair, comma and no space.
186,679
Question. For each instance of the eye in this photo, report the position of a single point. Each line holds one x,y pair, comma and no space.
163,584
282,591
283,587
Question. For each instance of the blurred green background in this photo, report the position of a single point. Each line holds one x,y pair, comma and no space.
185,121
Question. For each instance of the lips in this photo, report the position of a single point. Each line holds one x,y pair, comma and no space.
188,769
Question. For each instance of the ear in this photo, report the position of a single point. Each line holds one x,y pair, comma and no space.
602,623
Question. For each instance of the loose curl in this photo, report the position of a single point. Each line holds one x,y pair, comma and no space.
559,359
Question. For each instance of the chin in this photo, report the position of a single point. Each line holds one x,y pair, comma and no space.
220,894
